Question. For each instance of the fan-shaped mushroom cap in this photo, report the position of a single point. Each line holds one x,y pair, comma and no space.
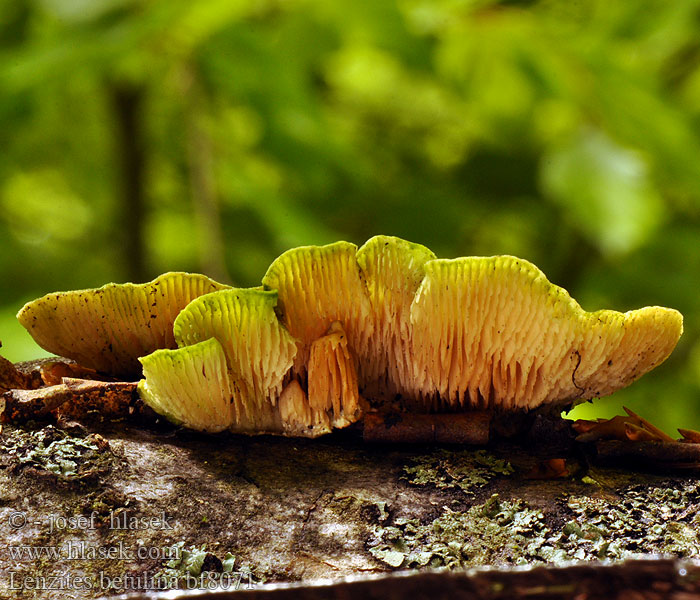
258,348
493,332
190,386
392,269
333,398
242,330
108,328
318,285
333,390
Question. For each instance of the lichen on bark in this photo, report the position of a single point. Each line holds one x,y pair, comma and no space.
299,510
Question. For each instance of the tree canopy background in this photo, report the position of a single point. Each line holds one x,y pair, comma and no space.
141,136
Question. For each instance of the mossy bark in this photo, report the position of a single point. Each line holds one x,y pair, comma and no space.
119,504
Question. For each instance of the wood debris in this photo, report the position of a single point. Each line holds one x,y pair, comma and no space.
462,428
631,427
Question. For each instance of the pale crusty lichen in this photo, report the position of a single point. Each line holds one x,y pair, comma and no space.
467,470
494,532
50,449
659,520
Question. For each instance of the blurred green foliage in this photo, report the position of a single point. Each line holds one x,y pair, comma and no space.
567,133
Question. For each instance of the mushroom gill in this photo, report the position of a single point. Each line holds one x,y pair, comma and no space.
393,270
318,285
494,333
333,389
191,386
257,352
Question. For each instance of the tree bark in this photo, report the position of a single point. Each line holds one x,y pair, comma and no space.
127,101
114,497
200,161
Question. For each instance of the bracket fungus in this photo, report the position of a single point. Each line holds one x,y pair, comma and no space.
336,332
109,328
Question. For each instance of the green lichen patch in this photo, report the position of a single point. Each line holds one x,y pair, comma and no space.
496,532
643,520
54,451
465,470
194,567
359,506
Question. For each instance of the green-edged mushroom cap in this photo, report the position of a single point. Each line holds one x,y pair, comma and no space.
190,386
493,332
392,269
256,350
109,328
318,285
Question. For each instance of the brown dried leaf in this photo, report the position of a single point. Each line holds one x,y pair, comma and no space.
649,427
611,429
583,426
53,372
553,468
690,435
10,377
639,434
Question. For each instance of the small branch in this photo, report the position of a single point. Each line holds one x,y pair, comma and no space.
24,405
459,428
669,455
76,399
106,400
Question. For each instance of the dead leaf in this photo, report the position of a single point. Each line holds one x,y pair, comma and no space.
553,468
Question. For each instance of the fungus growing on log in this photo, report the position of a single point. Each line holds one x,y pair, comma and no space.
317,286
228,371
109,328
190,386
230,368
393,270
258,349
391,323
495,333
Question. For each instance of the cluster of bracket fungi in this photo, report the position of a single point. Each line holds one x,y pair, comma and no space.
336,334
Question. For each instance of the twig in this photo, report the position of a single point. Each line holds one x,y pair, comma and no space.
464,428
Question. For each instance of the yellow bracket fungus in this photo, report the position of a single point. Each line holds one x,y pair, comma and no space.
233,349
259,350
336,330
317,286
393,270
109,328
493,332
